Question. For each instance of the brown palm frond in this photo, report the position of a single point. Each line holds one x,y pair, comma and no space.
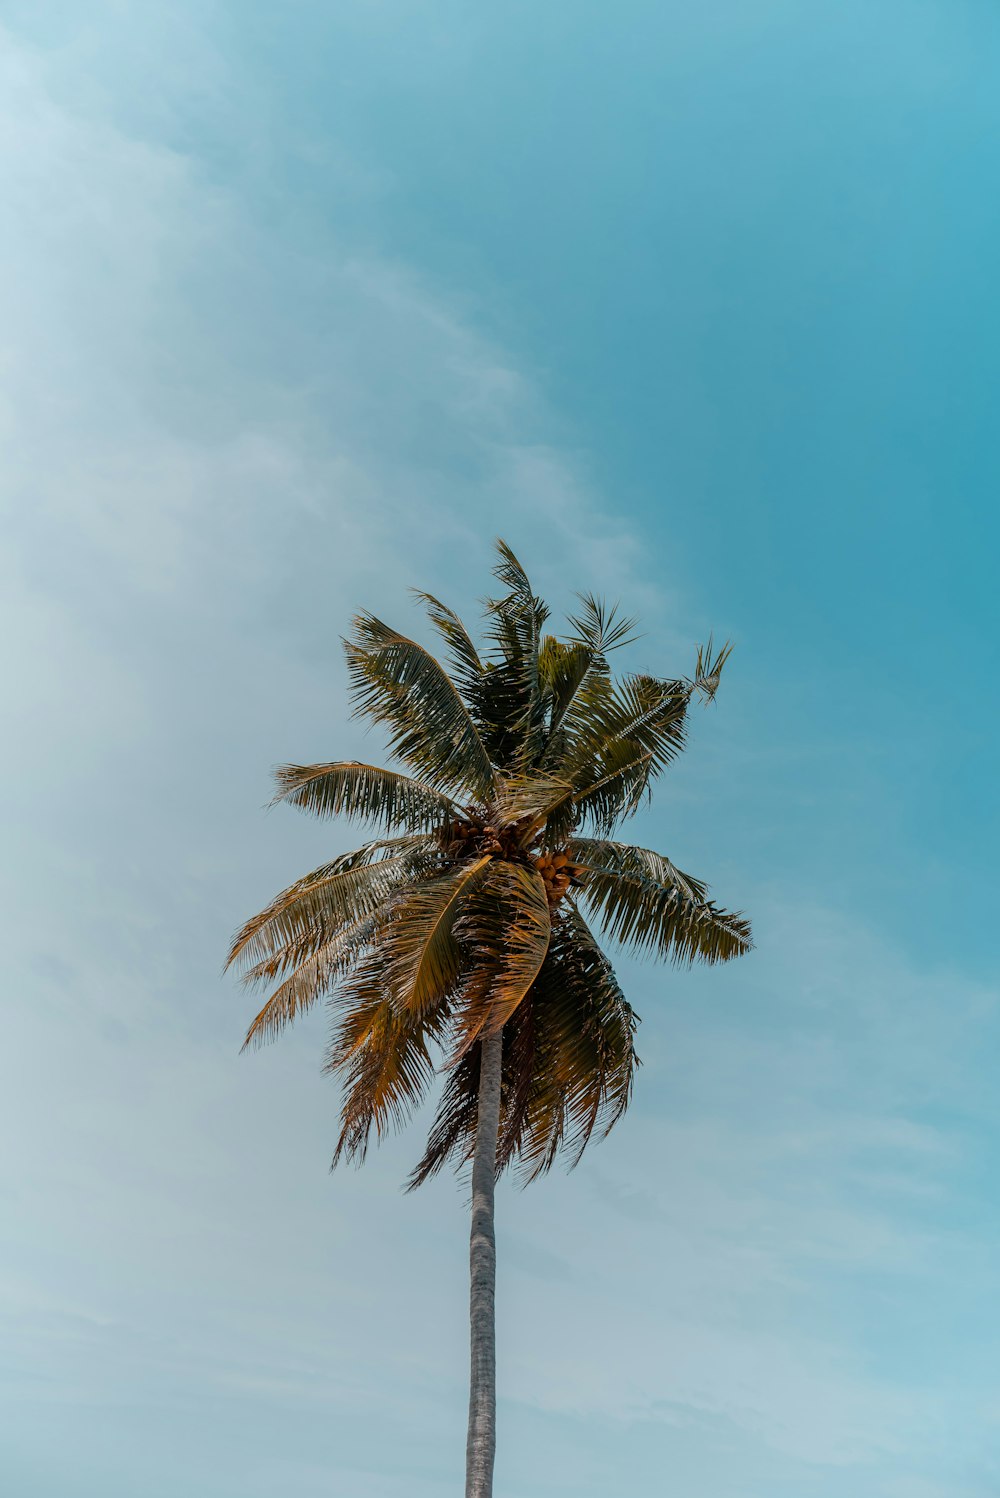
315,968
422,955
583,1060
334,895
504,932
381,1053
452,1137
531,798
568,1064
644,902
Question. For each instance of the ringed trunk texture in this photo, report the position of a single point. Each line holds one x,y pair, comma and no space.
482,1442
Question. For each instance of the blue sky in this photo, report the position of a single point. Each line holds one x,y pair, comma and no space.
301,305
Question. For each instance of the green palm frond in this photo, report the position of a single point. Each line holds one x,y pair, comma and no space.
619,792
396,682
365,793
514,626
524,604
497,706
622,738
611,723
563,667
644,902
580,665
462,653
599,626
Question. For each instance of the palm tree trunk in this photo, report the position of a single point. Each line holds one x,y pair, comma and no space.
481,1447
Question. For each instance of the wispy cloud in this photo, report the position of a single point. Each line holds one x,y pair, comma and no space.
792,1181
217,442
219,437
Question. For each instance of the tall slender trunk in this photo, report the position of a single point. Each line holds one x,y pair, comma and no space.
482,1442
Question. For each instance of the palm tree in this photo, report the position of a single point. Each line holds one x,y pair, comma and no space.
457,943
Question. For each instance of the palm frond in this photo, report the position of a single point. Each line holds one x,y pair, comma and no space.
578,1076
457,928
382,1055
708,668
337,894
314,971
497,703
567,1068
365,792
619,738
599,627
509,572
562,665
641,714
504,932
397,683
452,1137
644,902
531,798
562,668
620,791
422,955
462,653
514,624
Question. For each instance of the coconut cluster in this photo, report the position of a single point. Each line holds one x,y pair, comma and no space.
559,874
474,835
466,838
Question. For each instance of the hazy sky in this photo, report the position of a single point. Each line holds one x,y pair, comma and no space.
695,304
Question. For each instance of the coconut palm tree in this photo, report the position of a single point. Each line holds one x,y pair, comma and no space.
458,943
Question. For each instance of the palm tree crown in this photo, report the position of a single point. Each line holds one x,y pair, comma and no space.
469,916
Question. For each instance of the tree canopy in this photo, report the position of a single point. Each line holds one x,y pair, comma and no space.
471,913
